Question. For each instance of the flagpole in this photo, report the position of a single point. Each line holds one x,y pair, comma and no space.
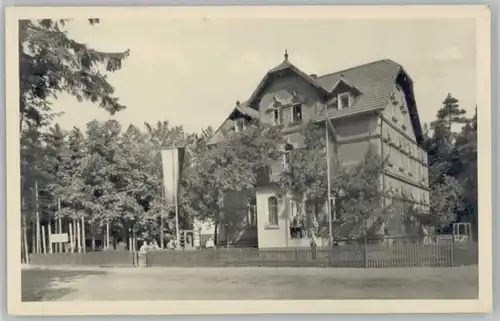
177,222
175,198
327,139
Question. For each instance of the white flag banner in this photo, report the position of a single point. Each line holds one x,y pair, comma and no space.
172,164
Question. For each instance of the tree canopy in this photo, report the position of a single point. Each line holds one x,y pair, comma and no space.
109,173
51,62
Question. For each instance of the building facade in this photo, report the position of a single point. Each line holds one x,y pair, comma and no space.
368,105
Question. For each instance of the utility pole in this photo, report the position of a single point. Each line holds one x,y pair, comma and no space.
59,223
328,204
328,207
25,233
175,182
37,214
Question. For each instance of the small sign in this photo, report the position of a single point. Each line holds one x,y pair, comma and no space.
59,238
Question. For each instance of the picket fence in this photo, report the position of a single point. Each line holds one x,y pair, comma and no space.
346,256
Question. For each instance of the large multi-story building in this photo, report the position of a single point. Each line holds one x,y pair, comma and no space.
368,105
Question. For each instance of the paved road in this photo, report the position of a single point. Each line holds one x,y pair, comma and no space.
256,283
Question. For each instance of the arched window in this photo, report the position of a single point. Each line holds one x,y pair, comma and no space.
272,203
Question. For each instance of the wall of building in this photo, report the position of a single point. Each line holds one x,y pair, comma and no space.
227,127
283,88
390,134
358,126
271,236
407,169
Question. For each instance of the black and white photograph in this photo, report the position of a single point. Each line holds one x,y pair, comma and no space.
230,155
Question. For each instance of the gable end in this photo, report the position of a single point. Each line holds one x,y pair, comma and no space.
406,84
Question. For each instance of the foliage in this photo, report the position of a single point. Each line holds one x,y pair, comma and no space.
50,62
306,173
452,158
108,174
446,200
356,186
451,113
359,186
235,164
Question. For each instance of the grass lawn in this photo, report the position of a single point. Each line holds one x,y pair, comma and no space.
253,283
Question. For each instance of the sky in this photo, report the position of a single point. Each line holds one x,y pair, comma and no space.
191,72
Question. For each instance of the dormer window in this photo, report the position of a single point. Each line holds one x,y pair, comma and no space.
297,113
277,116
239,125
343,100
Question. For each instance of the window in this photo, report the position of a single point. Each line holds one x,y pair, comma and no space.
239,125
277,117
251,215
272,203
297,113
297,223
335,209
286,155
343,100
286,159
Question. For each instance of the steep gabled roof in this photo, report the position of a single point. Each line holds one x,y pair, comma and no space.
375,81
341,81
246,110
285,65
241,108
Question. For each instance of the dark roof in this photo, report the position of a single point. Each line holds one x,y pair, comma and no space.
285,65
373,81
243,108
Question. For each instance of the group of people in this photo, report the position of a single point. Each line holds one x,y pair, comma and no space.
149,246
303,226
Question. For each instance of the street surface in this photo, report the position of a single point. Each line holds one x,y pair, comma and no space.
99,284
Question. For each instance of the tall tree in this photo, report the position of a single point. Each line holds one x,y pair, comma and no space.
361,196
451,113
305,172
465,169
51,62
446,200
235,164
452,160
440,144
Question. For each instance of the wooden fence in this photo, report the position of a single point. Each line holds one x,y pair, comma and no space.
346,256
103,258
369,256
